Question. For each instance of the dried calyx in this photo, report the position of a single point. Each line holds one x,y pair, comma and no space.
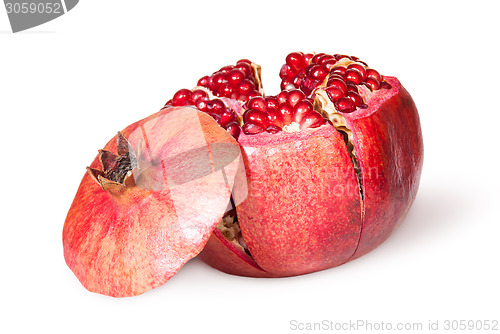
117,169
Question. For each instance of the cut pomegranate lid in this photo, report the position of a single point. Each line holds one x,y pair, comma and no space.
150,201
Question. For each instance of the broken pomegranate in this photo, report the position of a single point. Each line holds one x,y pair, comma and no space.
329,168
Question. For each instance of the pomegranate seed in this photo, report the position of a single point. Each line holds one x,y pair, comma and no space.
338,56
308,57
286,71
216,106
385,85
286,111
204,82
360,68
182,97
202,104
373,84
286,84
322,59
353,76
198,94
297,80
258,103
245,68
227,116
235,76
245,87
338,83
281,97
352,88
215,116
338,69
355,97
275,117
329,64
311,120
219,79
345,104
296,61
252,128
225,69
371,73
272,102
334,93
314,59
244,61
255,116
233,129
301,109
253,93
316,72
273,129
294,96
227,90
308,85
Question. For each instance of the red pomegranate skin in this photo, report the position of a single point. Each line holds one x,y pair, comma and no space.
125,242
302,213
291,226
389,145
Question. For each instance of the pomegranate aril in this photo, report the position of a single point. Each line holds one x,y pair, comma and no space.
202,104
235,76
198,94
308,57
385,85
286,71
345,104
329,64
334,93
216,117
204,82
225,69
301,109
281,97
227,90
339,56
252,128
227,116
297,80
272,102
296,61
286,111
216,106
358,67
371,73
294,96
249,62
308,85
311,120
338,83
324,58
274,117
245,68
314,59
338,69
287,83
273,129
316,72
355,97
245,87
371,83
182,97
218,80
258,103
233,129
255,116
353,76
352,88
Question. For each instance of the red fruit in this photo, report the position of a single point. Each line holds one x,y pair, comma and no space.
331,167
131,225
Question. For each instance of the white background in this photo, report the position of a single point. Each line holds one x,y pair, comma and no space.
67,86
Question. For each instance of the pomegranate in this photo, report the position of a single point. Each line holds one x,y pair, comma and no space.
329,167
